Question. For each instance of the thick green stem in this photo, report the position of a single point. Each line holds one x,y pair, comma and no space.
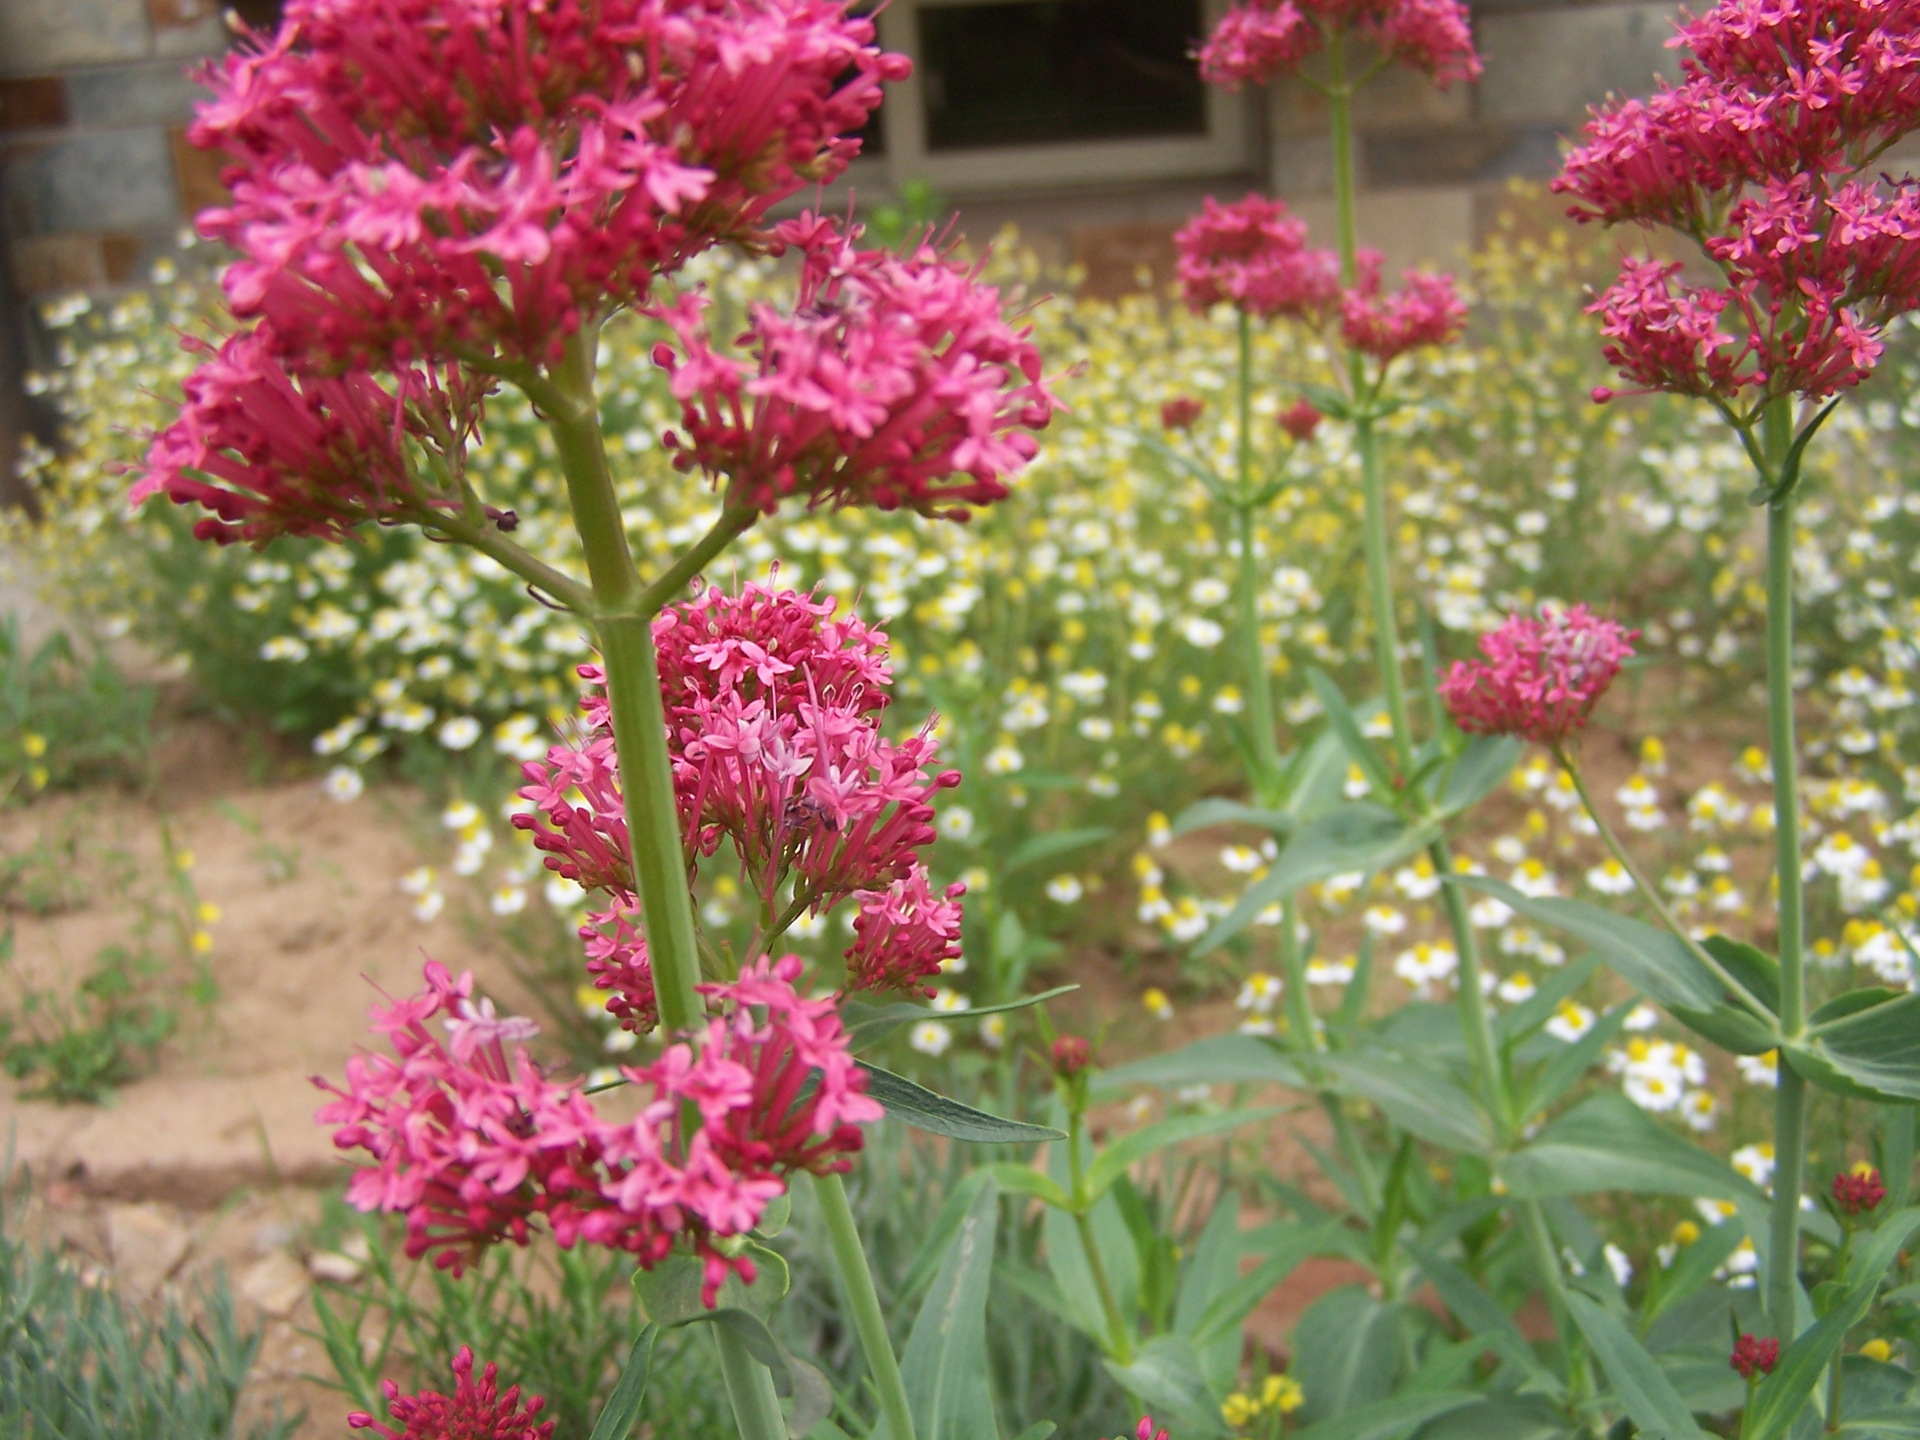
864,1302
1340,112
1790,1108
490,542
756,1405
1533,1223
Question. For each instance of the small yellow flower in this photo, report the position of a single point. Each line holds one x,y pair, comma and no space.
34,744
207,913
1685,1233
1239,1410
1156,1003
202,942
1877,1349
183,860
1282,1393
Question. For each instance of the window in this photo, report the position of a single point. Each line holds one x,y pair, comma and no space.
1052,71
1008,94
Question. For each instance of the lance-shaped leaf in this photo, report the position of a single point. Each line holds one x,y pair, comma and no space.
1865,1044
949,1387
867,1025
1413,1096
1645,1393
1608,1143
1111,1163
921,1108
1167,1377
1230,1059
630,1391
1655,963
1480,767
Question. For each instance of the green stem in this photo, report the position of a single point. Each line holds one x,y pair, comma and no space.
864,1302
1386,640
733,520
1474,1017
491,542
1266,745
1790,1106
1340,111
1110,1307
756,1406
1533,1223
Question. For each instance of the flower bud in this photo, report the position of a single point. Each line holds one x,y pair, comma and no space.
1071,1055
1300,420
1753,1356
1858,1190
1180,412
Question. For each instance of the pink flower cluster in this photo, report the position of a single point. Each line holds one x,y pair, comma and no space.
429,178
773,727
477,1410
472,1143
1761,154
1541,677
1254,255
895,381
1260,40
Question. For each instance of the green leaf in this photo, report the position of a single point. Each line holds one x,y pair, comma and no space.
1051,846
1865,1043
1230,1059
946,1225
1348,1347
1777,1400
670,1292
1212,1266
1501,1417
1165,1375
1486,761
1345,724
867,1025
1354,836
1654,962
623,1406
1389,1419
1646,1394
919,1107
1692,1268
1413,1096
944,1366
1217,810
1486,1321
1025,1180
1112,1162
1231,1305
1608,1143
1521,1022
1039,1430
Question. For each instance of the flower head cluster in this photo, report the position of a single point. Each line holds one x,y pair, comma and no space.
1253,254
1259,40
477,1410
1753,1356
1541,677
895,381
1762,155
1859,1190
773,725
1426,310
473,1143
269,454
424,178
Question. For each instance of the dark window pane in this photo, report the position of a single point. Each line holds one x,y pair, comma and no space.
873,134
1036,72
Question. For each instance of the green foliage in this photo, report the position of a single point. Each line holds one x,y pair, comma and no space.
77,1362
65,722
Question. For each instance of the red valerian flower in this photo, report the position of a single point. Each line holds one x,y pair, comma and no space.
1858,1190
1300,420
1180,412
430,178
773,729
1426,310
1541,677
477,1409
896,381
1253,254
270,454
1260,40
1762,156
1754,1356
473,1144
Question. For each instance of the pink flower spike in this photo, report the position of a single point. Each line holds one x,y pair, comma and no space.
1261,40
1253,254
1541,677
1425,311
477,1410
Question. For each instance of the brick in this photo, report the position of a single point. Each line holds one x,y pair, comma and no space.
118,180
33,102
53,264
154,94
198,172
1551,65
41,35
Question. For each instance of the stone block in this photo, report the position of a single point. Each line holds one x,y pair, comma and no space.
153,94
1548,66
198,172
1397,96
148,1244
41,35
1429,157
1412,227
33,102
1301,165
116,180
1119,259
183,29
